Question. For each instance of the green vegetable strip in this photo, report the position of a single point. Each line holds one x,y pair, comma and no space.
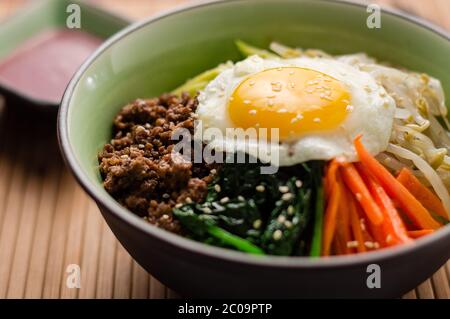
235,241
248,50
200,81
316,245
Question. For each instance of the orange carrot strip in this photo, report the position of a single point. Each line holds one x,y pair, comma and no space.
409,204
330,177
355,223
420,233
331,210
343,220
393,229
423,194
355,183
365,227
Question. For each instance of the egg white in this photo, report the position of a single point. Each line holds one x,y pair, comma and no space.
371,115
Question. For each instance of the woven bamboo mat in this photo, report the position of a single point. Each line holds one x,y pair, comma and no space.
47,222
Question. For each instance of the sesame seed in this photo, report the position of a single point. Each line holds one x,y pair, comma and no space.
257,224
287,196
124,156
252,112
388,238
224,200
178,205
213,171
358,196
241,198
188,200
251,83
165,216
247,101
260,188
382,94
368,244
362,224
349,108
298,183
281,219
217,188
277,234
290,210
316,120
291,72
376,245
207,210
352,244
287,224
282,111
283,189
276,86
141,146
270,102
165,196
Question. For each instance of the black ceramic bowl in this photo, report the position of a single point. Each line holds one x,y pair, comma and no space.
156,55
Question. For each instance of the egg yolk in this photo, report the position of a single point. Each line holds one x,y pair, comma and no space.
294,100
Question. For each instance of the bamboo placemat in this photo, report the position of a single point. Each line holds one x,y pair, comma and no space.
47,222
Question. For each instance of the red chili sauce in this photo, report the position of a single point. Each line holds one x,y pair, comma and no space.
42,66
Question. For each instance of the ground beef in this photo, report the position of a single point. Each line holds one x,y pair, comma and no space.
138,166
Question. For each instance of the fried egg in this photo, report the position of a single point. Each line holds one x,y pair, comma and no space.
317,106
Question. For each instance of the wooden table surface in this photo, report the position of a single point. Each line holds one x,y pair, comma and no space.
47,222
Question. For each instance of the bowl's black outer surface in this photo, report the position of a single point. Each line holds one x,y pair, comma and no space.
197,270
195,274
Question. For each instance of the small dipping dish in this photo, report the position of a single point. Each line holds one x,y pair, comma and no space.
39,54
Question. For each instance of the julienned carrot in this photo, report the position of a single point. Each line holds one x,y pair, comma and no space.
338,245
343,223
343,231
330,176
355,223
421,192
419,233
409,204
355,183
393,228
334,196
367,236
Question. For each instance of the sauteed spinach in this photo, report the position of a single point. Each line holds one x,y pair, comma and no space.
256,213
